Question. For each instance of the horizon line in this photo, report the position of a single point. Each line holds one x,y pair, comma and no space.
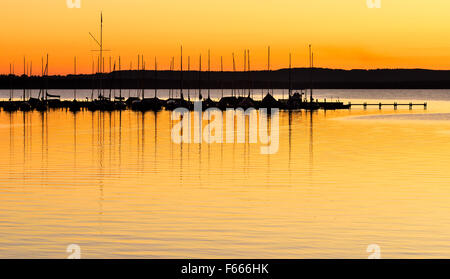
237,71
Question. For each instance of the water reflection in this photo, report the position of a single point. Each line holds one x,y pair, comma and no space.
311,139
116,183
122,135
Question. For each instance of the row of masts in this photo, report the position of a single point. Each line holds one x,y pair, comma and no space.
142,67
28,72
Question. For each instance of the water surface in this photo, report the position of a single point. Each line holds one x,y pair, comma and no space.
115,184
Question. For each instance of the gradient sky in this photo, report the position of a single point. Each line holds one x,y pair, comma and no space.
345,34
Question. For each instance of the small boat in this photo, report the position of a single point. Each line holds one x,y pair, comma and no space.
120,105
54,102
10,107
269,102
174,103
41,106
74,106
147,104
25,106
208,103
295,101
228,102
130,100
247,103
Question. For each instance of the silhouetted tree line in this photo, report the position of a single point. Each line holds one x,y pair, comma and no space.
322,79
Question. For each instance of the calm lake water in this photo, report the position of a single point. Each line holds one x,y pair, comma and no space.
116,185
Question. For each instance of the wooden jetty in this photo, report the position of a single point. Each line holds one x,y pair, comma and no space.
395,105
295,102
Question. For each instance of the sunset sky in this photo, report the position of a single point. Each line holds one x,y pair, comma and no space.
345,34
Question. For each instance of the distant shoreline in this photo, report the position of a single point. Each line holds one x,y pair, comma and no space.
278,79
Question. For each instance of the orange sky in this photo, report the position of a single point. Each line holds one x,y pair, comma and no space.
344,33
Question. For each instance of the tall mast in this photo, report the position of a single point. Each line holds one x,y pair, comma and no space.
200,97
10,81
46,79
311,65
75,73
42,76
93,79
172,67
245,68
110,79
290,75
103,70
189,70
99,79
120,87
137,76
209,74
101,41
234,71
156,78
138,83
24,74
268,65
234,64
113,75
181,74
12,88
249,73
143,77
170,77
245,60
31,73
221,70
